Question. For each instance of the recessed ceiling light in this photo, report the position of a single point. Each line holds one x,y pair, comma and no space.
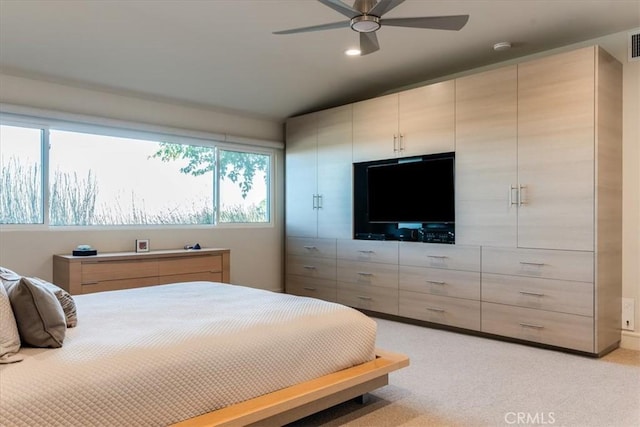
501,46
352,52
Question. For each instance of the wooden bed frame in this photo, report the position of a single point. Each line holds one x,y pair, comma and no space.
298,401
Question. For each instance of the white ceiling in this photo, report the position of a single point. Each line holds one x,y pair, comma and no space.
221,53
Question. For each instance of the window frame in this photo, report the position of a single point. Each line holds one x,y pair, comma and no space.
149,133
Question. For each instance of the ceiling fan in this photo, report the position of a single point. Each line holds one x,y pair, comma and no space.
365,17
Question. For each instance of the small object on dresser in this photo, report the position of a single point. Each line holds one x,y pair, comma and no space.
142,245
192,247
84,250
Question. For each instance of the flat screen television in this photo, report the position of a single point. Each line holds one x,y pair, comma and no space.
394,192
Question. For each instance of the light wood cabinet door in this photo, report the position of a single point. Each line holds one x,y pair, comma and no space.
426,119
375,128
334,172
486,158
301,175
556,113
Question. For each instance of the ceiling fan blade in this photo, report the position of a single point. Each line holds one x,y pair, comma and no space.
454,22
341,7
368,43
333,25
384,6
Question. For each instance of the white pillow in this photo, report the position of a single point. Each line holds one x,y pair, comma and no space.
9,336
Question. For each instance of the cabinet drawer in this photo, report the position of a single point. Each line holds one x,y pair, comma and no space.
114,285
546,327
546,294
366,297
454,257
114,270
364,250
204,276
325,248
458,312
436,281
194,264
564,265
320,268
368,273
309,287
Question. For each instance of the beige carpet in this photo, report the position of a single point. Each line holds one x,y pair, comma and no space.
461,380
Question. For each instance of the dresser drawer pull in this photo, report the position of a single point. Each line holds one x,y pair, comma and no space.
309,289
437,310
532,326
537,264
309,267
435,282
90,283
535,294
436,256
311,248
366,252
363,297
364,273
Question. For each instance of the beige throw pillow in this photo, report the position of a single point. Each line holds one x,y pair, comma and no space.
39,316
9,336
66,301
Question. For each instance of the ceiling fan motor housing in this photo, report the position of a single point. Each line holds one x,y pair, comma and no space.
365,23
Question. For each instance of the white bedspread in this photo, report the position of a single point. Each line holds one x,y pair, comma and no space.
158,355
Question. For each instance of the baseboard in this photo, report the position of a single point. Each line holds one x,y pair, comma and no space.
630,340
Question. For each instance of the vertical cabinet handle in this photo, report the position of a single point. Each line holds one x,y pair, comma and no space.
395,143
511,201
315,201
401,145
319,201
521,200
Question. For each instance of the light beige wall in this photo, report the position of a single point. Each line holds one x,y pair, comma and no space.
256,253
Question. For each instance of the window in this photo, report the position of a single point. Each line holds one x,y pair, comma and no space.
21,196
105,176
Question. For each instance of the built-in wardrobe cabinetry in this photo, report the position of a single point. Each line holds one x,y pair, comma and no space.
410,123
538,242
311,267
318,169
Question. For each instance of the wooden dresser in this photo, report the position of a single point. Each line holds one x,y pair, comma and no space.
124,270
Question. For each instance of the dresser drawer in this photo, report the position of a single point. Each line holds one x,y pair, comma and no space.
194,264
325,248
453,257
563,265
368,273
458,312
546,327
309,287
546,294
97,271
202,276
366,297
437,281
364,250
110,285
320,268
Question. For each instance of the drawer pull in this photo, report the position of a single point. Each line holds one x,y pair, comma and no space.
364,273
309,267
437,310
436,256
90,283
310,248
435,282
535,294
309,289
532,326
537,264
366,252
364,298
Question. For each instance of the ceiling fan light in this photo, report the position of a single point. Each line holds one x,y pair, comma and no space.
365,23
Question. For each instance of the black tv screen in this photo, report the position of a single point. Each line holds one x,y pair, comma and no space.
419,190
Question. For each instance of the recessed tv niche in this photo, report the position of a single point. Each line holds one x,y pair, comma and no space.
405,199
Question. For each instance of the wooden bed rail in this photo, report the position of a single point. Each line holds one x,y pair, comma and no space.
298,401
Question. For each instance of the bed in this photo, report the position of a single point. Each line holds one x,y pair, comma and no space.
196,354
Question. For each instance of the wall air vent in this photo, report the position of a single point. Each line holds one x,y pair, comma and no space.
634,45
